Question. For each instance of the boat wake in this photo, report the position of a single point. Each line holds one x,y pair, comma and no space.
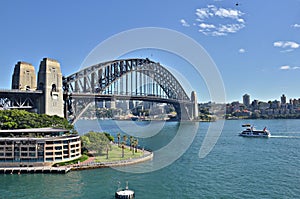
284,136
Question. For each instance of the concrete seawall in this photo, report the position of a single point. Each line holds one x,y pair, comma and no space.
95,165
82,166
28,170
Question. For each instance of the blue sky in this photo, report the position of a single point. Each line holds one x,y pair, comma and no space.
255,44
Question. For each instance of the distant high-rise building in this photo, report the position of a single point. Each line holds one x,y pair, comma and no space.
254,104
246,100
283,99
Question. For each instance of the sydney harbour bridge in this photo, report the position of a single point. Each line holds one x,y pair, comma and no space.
70,96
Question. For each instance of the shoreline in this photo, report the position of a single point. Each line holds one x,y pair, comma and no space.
78,167
96,165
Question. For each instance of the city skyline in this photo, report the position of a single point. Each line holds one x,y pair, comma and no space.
255,45
283,99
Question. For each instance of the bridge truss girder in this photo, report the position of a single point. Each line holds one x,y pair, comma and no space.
131,77
17,99
97,78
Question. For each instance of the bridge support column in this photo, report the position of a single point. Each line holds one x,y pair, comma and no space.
113,103
50,82
24,77
195,110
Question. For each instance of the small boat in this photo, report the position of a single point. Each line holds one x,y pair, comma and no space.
250,131
124,193
246,125
134,118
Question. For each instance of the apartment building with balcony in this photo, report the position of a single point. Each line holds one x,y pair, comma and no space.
38,147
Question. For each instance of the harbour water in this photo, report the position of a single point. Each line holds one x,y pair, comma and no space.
237,167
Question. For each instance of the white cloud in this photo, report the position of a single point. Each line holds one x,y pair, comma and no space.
242,50
216,33
291,44
212,33
287,50
286,67
286,44
207,26
184,23
278,44
212,20
241,20
227,13
202,13
230,28
296,25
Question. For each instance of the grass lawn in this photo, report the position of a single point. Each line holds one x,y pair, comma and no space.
81,159
116,154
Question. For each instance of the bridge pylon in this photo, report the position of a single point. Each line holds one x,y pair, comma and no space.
195,110
50,82
24,77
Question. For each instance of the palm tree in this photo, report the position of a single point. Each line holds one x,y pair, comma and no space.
133,145
123,144
136,144
125,138
131,142
119,137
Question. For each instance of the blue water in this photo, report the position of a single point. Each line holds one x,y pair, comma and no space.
237,167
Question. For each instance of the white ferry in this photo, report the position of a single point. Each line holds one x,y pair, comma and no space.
250,131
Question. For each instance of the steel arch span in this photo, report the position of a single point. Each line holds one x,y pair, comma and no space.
128,79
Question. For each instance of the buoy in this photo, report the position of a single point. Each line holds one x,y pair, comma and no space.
124,193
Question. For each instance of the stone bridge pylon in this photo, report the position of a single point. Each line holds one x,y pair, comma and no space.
43,95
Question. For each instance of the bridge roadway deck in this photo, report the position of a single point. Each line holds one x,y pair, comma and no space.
16,92
128,97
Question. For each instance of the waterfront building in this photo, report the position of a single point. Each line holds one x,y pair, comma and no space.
254,104
275,104
38,147
246,100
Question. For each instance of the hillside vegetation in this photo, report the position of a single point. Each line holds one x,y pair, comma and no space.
20,119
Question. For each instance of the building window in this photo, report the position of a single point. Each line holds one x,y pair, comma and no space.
24,149
49,148
58,148
54,89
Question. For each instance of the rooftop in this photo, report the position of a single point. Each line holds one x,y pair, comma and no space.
35,130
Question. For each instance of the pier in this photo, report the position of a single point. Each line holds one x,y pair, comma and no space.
32,170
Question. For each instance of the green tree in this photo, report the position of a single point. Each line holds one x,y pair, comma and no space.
131,142
20,119
110,137
123,144
136,143
119,137
85,141
95,142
